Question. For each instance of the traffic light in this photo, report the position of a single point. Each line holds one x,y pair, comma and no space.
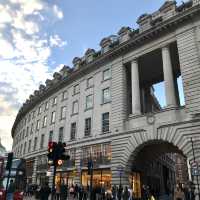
90,166
9,161
56,153
51,152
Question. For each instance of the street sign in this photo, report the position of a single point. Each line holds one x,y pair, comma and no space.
194,164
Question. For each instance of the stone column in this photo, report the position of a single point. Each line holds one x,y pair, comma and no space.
34,170
136,105
168,78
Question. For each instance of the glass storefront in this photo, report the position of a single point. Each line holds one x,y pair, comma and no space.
101,177
67,177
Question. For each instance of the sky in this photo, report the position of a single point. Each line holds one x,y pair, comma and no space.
37,37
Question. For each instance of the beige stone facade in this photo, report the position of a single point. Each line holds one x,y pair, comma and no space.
118,80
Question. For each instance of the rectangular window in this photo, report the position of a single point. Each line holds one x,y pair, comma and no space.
44,121
64,95
60,136
33,114
63,112
53,117
29,145
89,82
38,125
76,89
75,107
105,122
89,101
23,134
106,74
46,105
106,95
50,136
54,101
20,149
27,131
35,144
24,148
31,132
88,127
42,142
39,110
73,131
29,117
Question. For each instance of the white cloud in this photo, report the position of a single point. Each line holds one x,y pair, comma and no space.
56,41
58,13
24,54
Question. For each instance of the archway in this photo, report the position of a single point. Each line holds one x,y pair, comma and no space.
158,166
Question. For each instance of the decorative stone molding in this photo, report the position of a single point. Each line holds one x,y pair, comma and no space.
76,62
57,76
36,93
196,2
42,87
105,44
124,34
89,55
65,71
48,83
144,22
168,9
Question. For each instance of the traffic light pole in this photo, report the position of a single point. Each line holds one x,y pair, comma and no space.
53,185
7,182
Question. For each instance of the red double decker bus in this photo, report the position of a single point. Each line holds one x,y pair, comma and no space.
17,174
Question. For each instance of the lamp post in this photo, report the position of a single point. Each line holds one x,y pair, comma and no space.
194,158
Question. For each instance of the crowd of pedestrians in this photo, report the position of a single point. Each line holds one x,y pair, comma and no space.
78,192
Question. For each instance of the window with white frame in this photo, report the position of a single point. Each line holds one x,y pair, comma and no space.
44,121
39,110
88,126
42,141
46,105
89,82
63,112
60,135
106,95
31,132
89,101
75,107
29,117
73,131
64,95
37,125
27,131
53,117
76,89
24,148
29,145
33,114
106,74
54,101
35,144
50,136
105,122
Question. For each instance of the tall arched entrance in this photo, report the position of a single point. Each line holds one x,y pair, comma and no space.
158,166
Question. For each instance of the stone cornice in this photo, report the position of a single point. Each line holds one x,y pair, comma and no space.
137,39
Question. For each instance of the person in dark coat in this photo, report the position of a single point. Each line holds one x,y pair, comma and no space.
126,194
63,191
44,192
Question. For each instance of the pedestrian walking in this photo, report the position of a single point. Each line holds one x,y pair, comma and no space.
126,194
179,194
44,192
63,191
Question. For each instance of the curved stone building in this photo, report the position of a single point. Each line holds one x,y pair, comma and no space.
105,107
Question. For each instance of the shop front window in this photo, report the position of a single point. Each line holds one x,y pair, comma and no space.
135,183
101,178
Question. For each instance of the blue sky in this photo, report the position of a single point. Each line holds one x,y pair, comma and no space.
38,36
